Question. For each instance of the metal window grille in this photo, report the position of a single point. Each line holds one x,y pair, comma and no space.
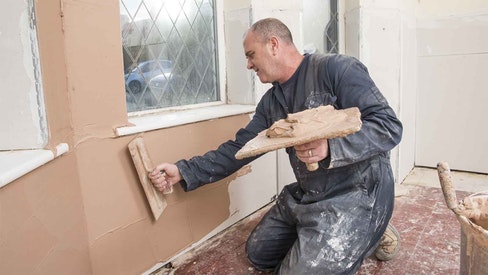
170,53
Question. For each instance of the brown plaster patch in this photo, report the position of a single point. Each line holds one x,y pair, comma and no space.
244,170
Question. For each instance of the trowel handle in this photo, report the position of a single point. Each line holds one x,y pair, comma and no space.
312,166
447,188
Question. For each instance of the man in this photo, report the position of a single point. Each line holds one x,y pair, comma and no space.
332,218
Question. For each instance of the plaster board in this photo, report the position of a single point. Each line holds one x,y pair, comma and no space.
381,37
239,78
380,51
290,15
451,112
453,35
441,8
407,95
353,36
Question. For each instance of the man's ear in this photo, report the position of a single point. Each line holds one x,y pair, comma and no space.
274,43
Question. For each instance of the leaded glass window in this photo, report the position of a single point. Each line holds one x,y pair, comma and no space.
320,19
170,53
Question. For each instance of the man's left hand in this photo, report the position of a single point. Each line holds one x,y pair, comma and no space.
313,151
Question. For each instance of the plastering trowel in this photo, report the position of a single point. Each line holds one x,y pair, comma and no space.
144,165
323,122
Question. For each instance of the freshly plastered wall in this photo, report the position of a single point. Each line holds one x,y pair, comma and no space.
42,221
85,212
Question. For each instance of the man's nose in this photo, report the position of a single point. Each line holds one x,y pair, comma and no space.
249,64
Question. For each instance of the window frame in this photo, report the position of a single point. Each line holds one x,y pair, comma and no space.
25,93
23,156
154,119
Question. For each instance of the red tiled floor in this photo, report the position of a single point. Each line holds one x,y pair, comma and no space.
430,242
430,236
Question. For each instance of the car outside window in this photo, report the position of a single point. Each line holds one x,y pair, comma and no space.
170,53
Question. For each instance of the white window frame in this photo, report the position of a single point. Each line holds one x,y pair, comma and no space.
232,102
24,125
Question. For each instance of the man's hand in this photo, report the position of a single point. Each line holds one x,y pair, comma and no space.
313,151
164,176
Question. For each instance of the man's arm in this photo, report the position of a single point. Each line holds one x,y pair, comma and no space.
381,130
220,163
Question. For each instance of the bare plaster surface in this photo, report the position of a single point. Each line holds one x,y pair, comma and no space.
94,68
53,66
122,234
42,228
85,212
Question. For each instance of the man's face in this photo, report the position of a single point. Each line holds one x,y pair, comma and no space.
259,57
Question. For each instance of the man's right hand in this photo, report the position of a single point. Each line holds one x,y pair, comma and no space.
164,175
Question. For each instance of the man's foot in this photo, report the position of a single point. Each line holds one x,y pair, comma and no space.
389,244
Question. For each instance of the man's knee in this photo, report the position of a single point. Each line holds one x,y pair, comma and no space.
254,253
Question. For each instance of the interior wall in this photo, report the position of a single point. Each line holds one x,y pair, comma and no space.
427,57
42,222
452,61
43,228
85,212
382,35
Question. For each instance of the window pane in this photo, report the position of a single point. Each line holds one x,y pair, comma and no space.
320,21
170,53
22,114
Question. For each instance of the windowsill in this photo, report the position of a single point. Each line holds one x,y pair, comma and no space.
15,164
175,118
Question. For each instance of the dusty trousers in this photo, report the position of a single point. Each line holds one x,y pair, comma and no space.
326,223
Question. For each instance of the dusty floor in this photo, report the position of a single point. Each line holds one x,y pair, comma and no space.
430,234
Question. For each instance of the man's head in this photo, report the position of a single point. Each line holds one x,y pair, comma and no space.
270,52
269,27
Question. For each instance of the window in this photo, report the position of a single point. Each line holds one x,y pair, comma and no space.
332,30
22,115
321,17
170,53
